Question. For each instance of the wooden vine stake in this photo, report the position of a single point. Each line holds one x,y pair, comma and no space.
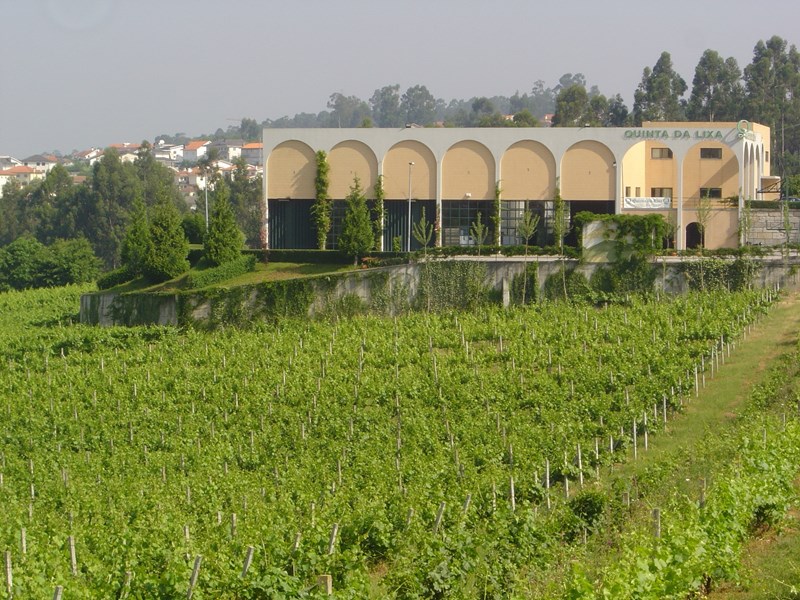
248,560
644,430
73,561
58,593
332,540
193,579
439,515
9,577
126,585
325,583
657,522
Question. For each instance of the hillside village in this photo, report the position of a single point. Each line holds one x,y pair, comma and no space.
186,161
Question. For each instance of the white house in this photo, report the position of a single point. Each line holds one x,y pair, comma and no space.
168,153
228,149
24,175
6,162
40,162
195,150
253,152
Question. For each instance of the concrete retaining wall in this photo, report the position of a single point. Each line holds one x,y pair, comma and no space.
401,283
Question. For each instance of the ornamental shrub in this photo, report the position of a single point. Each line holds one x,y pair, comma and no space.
224,240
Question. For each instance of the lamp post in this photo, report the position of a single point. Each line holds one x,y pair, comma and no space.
206,190
410,165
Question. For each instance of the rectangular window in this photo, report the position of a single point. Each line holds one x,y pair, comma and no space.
766,156
711,153
661,192
458,217
659,153
627,191
711,193
638,192
511,215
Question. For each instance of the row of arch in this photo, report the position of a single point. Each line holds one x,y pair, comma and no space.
467,170
527,170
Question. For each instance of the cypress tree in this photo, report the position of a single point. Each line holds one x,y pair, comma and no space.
224,240
357,237
167,257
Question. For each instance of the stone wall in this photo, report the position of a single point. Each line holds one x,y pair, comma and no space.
384,289
768,227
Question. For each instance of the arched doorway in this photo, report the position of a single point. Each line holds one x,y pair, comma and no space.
694,237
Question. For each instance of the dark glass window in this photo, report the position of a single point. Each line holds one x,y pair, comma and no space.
711,192
711,153
659,153
457,218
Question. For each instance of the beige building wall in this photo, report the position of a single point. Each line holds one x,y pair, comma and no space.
660,172
349,159
528,172
468,172
710,172
722,229
587,172
396,171
633,171
764,131
292,168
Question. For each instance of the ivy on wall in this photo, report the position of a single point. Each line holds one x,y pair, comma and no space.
708,274
495,217
453,284
639,234
377,213
321,209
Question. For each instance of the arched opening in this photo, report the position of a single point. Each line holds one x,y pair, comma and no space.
694,236
291,170
403,181
528,182
468,186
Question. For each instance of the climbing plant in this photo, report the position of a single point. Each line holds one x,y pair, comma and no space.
321,210
495,218
377,213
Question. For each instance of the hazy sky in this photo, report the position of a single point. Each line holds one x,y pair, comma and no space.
81,73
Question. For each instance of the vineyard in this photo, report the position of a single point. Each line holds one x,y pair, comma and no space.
426,456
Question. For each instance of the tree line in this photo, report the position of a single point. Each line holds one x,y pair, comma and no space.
767,91
100,210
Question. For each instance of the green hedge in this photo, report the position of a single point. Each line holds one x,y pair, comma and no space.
234,268
447,251
773,204
114,278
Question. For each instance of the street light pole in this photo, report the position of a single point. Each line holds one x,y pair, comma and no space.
206,189
408,247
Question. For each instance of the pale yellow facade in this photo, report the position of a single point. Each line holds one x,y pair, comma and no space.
666,168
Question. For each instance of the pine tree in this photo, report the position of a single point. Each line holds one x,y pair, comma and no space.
357,237
224,239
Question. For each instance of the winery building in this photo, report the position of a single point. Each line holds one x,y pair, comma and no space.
453,174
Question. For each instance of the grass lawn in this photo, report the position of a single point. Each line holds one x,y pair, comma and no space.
273,271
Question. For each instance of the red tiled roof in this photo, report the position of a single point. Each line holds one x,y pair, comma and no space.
253,146
195,145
